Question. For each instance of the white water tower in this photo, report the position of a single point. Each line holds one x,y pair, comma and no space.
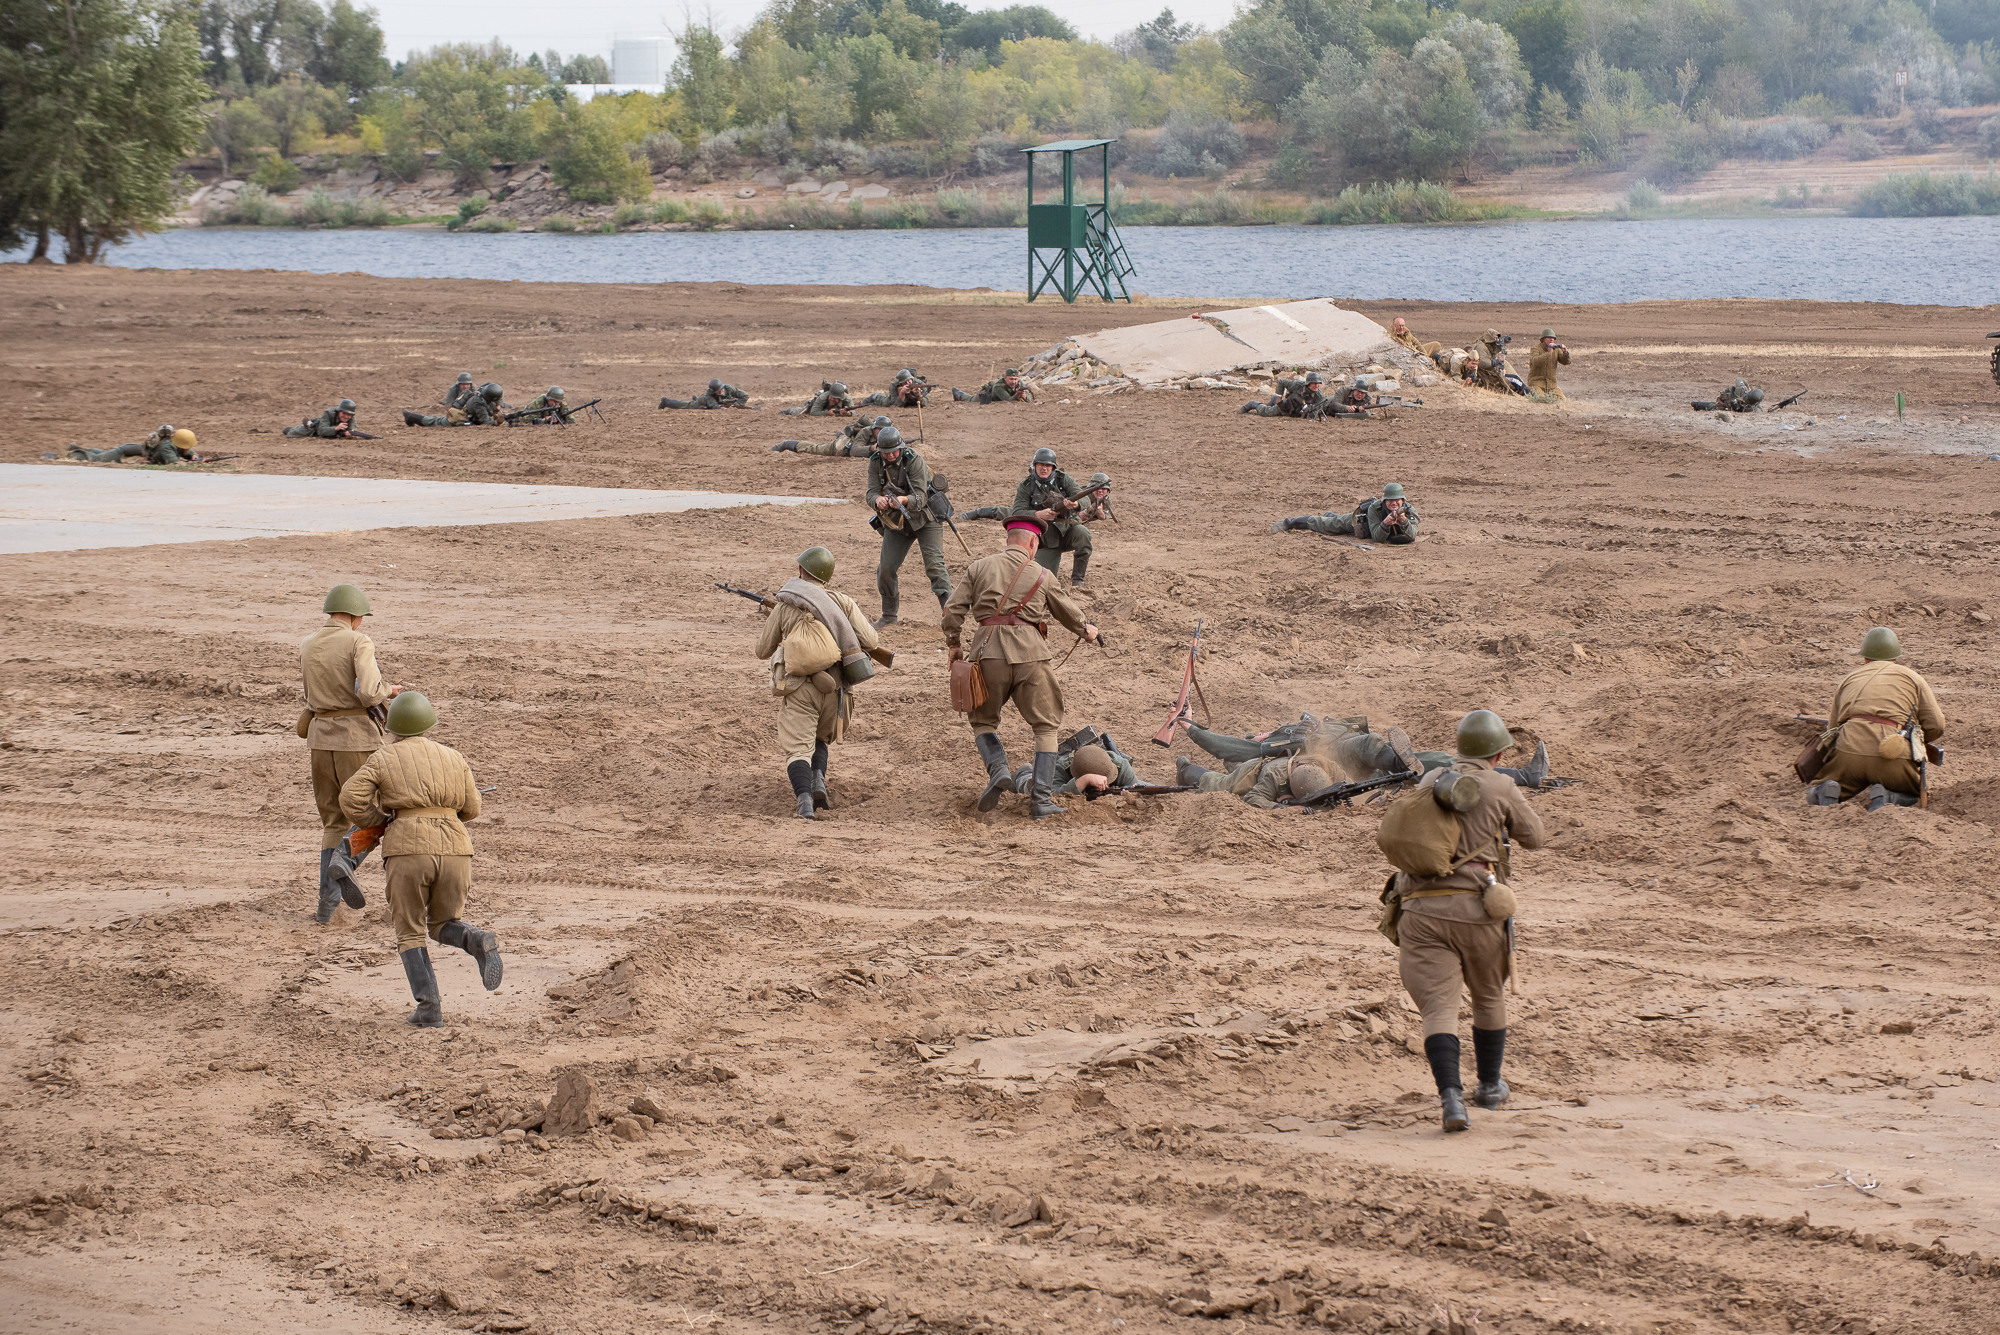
639,62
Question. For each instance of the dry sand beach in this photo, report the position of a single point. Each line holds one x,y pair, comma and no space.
919,1069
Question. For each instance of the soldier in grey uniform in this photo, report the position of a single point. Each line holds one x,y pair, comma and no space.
1064,508
481,408
898,491
717,395
831,401
909,390
336,423
1386,518
856,440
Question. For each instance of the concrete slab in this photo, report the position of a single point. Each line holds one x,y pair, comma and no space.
71,507
1313,333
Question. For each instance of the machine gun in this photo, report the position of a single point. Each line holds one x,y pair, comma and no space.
1165,736
563,413
885,656
1336,793
1786,403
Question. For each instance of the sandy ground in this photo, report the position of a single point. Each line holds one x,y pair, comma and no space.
1754,1051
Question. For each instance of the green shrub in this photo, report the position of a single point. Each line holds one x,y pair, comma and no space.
1920,194
252,207
709,212
317,207
1643,195
276,174
489,223
1860,145
629,214
669,211
557,222
468,209
1401,202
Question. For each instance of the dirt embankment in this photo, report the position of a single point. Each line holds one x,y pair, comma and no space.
1753,1052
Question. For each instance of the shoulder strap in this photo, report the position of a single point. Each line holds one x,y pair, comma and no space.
979,643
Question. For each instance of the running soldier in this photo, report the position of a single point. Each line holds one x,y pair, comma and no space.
341,725
899,484
819,704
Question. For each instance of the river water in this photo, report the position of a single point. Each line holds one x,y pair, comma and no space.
1928,261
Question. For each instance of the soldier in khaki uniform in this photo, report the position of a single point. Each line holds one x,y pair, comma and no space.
1871,707
1491,370
342,686
1400,333
1449,942
1542,364
426,793
1010,597
817,707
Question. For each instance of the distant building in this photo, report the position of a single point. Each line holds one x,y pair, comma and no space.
639,63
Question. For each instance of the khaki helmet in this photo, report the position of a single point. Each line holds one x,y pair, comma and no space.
411,714
347,599
1092,760
1392,491
1490,336
818,563
183,439
1481,735
1044,455
344,406
1881,645
1547,333
465,377
555,391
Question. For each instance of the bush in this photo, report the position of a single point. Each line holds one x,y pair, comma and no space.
1402,202
628,214
1919,194
1684,150
1861,145
1929,119
1816,106
1792,137
708,212
252,207
843,154
489,223
1916,141
557,222
316,207
719,152
669,211
1187,146
995,153
663,149
899,160
468,209
771,141
276,174
1643,195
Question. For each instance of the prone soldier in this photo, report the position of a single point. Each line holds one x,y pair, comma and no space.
909,391
1870,747
831,401
1295,398
481,408
341,725
1737,398
164,446
336,423
424,792
461,390
1011,597
1009,388
899,487
856,440
1359,752
818,641
1454,934
1388,518
717,395
1542,364
1400,333
1264,782
547,407
1089,764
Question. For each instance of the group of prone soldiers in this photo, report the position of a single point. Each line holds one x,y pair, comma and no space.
1484,363
377,779
464,404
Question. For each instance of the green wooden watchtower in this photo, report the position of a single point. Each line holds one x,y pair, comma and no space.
1073,247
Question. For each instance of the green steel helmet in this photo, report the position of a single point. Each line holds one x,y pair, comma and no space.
1547,333
888,438
1481,734
344,406
1098,480
411,714
465,377
839,389
1392,491
1044,455
818,563
1881,644
1312,378
880,422
1012,370
490,392
904,375
347,599
714,386
555,391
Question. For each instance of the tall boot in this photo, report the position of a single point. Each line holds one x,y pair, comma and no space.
785,447
1531,774
1825,793
429,1013
412,419
479,943
822,800
1043,803
329,895
800,772
1442,1051
890,606
341,872
984,512
1287,525
1186,773
998,779
960,396
1489,1049
1079,564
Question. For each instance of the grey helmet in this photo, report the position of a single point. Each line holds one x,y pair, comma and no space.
1044,455
1312,378
490,392
881,422
837,389
465,377
555,391
714,386
344,406
166,431
888,438
905,374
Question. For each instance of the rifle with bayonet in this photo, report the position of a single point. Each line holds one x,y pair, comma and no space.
1336,793
563,413
881,654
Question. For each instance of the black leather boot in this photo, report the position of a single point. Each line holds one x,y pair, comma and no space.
329,895
1287,525
1080,565
412,419
782,447
1443,1053
1489,1050
822,800
1825,793
340,872
429,1013
1531,774
998,778
1043,803
1187,773
477,942
800,772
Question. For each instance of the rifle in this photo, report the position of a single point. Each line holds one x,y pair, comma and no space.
1159,789
1336,793
1792,400
886,657
563,413
213,458
356,435
1165,736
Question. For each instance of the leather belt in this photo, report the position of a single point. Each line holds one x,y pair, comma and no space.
338,713
1008,620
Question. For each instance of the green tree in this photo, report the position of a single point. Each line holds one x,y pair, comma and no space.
471,102
99,100
350,56
588,159
1546,32
297,109
984,30
701,75
237,128
1277,44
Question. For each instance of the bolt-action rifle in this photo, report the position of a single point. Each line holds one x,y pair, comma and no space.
1336,793
563,413
1792,400
885,656
1165,736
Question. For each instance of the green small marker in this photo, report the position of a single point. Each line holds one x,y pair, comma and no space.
1899,405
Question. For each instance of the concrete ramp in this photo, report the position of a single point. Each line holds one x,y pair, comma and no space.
1315,334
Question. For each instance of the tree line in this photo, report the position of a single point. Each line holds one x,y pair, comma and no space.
98,98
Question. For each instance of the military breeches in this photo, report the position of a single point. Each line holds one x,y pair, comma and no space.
808,716
1034,691
1441,957
1063,538
681,403
116,454
1332,525
331,769
842,448
1233,750
1856,771
300,432
434,421
896,544
426,891
1495,381
1276,409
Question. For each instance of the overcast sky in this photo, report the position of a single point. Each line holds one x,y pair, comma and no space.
587,27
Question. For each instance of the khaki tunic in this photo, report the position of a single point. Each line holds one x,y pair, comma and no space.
808,714
1887,690
430,791
341,682
1542,364
1408,339
1014,659
1448,944
1492,367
